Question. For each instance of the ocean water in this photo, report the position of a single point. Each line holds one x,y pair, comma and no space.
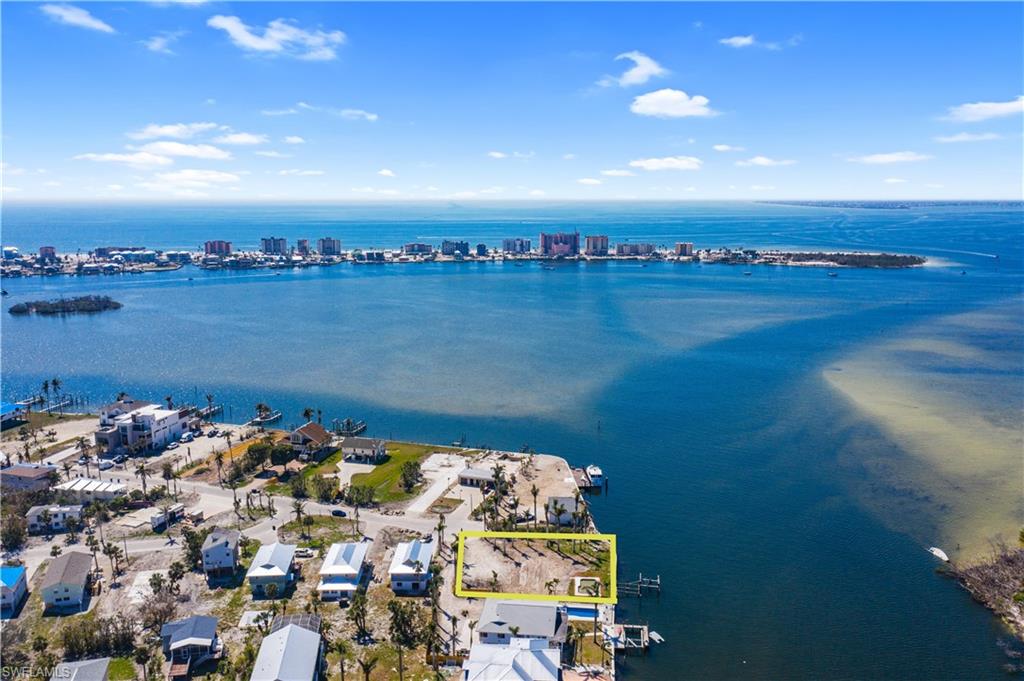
756,487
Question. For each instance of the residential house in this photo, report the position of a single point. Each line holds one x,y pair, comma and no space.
66,583
522,659
189,642
547,622
271,565
87,490
409,569
82,670
342,570
58,517
220,552
127,425
13,586
363,450
27,477
290,652
566,504
310,440
476,477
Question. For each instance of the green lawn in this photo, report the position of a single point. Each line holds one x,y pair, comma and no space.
121,669
323,531
385,478
41,420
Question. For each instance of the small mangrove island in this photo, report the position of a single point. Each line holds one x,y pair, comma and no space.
79,304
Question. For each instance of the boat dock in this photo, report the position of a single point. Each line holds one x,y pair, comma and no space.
640,585
348,427
629,639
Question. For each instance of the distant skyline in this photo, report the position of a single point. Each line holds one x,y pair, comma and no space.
169,101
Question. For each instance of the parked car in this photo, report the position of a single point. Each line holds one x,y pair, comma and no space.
120,458
106,464
303,552
338,513
187,437
172,445
82,460
212,433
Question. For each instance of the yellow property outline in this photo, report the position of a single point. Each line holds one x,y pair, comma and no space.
483,534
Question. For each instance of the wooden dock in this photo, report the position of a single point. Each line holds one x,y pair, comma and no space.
630,639
640,586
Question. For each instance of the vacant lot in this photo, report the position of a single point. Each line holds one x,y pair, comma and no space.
386,478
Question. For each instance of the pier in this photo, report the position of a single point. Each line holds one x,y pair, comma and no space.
641,585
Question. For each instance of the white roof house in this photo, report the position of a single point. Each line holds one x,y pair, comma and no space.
409,555
88,489
272,560
520,660
291,653
342,568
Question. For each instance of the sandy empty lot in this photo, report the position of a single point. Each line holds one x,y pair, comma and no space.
525,566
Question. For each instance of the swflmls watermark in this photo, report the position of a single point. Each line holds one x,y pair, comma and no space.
27,671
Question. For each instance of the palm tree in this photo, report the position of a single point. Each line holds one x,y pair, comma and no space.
307,414
56,384
46,391
262,409
559,511
440,530
142,473
218,458
209,407
344,649
367,666
298,507
534,490
170,401
142,655
66,465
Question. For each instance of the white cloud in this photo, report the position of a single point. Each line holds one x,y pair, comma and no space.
374,190
138,159
727,147
191,178
294,139
524,154
764,162
568,157
669,103
52,183
241,138
983,111
162,42
8,169
933,185
115,187
644,68
618,173
493,190
272,154
207,151
76,16
280,36
279,112
537,192
892,157
432,188
358,115
302,173
894,180
967,137
497,154
761,187
175,130
589,181
738,41
7,189
668,163
386,172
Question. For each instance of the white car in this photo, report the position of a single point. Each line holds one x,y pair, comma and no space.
173,445
105,464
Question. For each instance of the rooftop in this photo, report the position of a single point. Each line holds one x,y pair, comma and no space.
345,559
30,471
520,660
221,535
313,432
530,617
82,670
288,654
196,630
68,568
91,486
409,554
272,560
10,574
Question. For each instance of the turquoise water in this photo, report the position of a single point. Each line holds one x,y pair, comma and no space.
698,390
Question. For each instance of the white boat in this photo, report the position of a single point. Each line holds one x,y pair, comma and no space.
596,475
939,553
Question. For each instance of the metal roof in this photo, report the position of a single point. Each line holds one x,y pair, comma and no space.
289,654
68,568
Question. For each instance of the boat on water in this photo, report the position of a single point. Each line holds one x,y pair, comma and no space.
833,274
747,273
265,418
939,553
596,475
349,427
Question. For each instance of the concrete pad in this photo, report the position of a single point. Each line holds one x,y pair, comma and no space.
139,592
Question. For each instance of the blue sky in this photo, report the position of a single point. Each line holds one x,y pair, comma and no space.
386,102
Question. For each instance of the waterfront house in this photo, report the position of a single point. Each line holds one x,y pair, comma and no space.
128,424
52,518
189,642
291,651
522,659
27,477
220,552
82,670
547,622
310,440
363,450
13,586
409,569
87,490
480,478
569,506
271,565
342,570
67,579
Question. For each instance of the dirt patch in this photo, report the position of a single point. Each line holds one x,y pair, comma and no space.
534,566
